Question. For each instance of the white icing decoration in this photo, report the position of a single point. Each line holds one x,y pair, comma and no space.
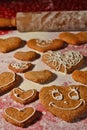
22,120
19,65
43,43
13,79
20,97
56,91
76,96
72,108
67,59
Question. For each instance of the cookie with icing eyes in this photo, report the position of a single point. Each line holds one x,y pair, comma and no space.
80,76
20,67
67,103
65,62
45,45
20,117
26,56
24,97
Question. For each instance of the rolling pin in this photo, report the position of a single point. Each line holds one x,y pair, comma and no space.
50,21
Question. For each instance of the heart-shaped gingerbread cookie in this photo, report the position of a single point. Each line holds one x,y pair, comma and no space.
67,103
7,81
24,97
19,117
26,56
80,76
10,44
41,77
45,45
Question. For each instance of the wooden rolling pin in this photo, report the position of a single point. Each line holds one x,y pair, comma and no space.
50,21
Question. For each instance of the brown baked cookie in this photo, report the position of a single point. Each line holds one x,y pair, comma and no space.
43,76
8,80
26,56
67,103
82,36
65,62
20,67
80,76
20,117
24,97
43,46
10,44
71,38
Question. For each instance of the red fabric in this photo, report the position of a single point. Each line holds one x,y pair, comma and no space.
9,8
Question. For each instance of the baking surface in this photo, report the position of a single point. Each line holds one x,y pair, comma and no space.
45,121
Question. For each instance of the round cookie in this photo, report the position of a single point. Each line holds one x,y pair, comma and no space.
20,67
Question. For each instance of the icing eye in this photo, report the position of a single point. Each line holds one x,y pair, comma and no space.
73,94
56,94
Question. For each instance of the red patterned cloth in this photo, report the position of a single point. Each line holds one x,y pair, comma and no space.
9,8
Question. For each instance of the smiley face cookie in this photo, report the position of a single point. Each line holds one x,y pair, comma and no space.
67,103
10,44
80,76
65,62
24,97
41,77
26,56
43,45
8,80
20,117
20,67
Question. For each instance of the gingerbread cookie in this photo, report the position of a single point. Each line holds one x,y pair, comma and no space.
74,39
20,67
80,76
41,77
26,56
24,97
67,103
20,117
8,80
65,62
10,44
43,45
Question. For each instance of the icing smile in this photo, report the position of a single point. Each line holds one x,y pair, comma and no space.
71,108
